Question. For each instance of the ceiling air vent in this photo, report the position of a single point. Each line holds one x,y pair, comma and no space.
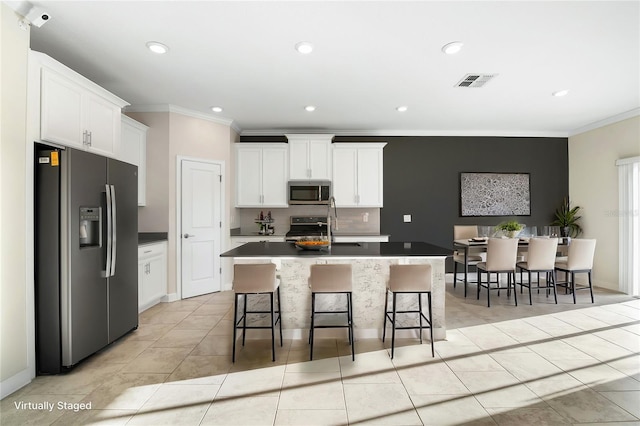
475,80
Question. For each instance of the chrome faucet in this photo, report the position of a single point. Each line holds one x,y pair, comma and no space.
332,203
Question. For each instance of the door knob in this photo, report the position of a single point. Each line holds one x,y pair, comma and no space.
188,236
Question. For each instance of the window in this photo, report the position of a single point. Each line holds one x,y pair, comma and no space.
629,224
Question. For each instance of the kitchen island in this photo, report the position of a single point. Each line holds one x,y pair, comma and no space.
370,263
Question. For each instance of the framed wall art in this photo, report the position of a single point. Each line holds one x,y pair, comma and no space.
495,194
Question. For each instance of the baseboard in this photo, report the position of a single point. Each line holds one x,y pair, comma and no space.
171,297
12,384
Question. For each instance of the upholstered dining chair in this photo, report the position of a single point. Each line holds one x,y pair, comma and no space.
541,257
501,258
464,232
579,260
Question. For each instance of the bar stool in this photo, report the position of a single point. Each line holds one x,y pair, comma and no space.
408,279
502,254
328,279
251,279
541,258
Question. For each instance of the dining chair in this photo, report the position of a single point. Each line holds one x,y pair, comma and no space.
541,257
501,258
579,260
464,232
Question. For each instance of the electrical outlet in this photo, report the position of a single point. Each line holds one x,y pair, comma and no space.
365,217
406,218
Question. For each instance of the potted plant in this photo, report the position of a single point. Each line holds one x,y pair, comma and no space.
567,219
510,228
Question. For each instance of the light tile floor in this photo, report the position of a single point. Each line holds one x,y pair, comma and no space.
528,365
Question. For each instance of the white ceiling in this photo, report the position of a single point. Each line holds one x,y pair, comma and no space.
369,58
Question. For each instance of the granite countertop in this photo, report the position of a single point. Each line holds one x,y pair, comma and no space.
395,249
151,237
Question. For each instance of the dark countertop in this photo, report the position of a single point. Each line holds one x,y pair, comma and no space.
395,249
151,237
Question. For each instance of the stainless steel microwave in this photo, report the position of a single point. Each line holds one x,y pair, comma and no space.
309,192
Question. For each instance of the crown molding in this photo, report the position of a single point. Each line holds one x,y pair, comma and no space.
605,122
496,133
183,111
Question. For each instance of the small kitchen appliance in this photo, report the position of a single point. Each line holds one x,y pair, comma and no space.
309,192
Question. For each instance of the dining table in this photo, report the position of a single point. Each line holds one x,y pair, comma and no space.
481,243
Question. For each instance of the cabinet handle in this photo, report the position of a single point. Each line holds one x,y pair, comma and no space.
90,137
148,251
84,137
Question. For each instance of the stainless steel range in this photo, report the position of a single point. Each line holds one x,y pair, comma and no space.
306,226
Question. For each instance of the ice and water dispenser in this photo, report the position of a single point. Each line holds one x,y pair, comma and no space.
90,226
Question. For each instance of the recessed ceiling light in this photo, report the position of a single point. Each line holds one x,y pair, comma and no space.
560,93
310,108
402,108
156,47
304,47
452,48
216,109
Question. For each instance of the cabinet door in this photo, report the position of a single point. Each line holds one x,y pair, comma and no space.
142,302
61,110
299,160
156,279
369,177
103,122
248,177
345,163
133,150
320,158
274,177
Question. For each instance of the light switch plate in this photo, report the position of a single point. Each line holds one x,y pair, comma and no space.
406,218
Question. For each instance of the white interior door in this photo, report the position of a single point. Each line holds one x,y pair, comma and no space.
201,203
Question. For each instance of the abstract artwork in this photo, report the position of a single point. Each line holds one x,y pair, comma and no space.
495,194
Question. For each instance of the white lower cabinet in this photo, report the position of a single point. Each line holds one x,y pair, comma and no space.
152,274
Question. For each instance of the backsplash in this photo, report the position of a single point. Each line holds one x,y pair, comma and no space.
350,221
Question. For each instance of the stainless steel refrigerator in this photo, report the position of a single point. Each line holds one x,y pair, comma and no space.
86,242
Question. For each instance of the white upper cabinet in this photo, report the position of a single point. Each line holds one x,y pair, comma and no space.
261,175
357,174
133,150
310,156
74,111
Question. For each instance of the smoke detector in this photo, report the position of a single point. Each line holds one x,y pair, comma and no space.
475,80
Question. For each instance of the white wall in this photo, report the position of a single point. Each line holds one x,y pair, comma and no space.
14,314
593,185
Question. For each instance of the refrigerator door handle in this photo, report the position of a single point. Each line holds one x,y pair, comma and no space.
106,273
114,244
